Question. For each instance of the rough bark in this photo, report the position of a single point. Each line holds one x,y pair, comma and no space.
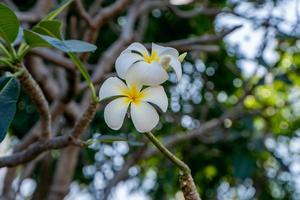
188,187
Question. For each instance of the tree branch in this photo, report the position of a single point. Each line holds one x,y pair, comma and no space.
187,183
55,143
195,12
37,97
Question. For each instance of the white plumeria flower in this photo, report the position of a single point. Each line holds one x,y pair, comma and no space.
148,69
142,113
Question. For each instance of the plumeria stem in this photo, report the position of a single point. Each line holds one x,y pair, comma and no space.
180,164
23,50
187,183
3,49
85,74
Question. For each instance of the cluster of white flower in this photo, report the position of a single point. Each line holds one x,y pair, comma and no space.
139,69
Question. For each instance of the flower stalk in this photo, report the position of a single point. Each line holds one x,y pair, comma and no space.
85,75
187,183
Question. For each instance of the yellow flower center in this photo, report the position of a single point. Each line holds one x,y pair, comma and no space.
133,94
150,58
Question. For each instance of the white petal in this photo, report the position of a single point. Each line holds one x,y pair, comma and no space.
136,47
165,61
125,61
146,74
157,96
164,50
176,65
144,116
111,87
115,111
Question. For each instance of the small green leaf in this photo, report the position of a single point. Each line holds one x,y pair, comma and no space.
182,57
9,93
34,39
50,28
9,24
59,44
57,11
78,46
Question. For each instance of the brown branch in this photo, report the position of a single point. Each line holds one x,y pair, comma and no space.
43,77
187,183
40,9
206,128
53,57
64,173
34,150
45,177
199,48
83,13
55,143
109,12
195,12
85,120
37,97
68,159
103,17
197,41
188,187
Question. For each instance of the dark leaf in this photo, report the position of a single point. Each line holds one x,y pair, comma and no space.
9,24
51,28
9,93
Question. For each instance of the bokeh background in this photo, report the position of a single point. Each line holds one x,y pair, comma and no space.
234,118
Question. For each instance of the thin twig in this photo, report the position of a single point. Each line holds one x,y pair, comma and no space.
187,183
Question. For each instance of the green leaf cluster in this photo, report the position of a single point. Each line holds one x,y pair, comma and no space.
47,33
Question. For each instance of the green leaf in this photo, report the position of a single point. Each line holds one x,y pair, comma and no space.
34,39
50,28
9,24
79,46
182,57
84,73
9,93
59,44
57,11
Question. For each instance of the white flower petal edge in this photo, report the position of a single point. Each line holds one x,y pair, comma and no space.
146,74
111,87
136,46
115,111
144,116
176,65
125,61
161,50
157,96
